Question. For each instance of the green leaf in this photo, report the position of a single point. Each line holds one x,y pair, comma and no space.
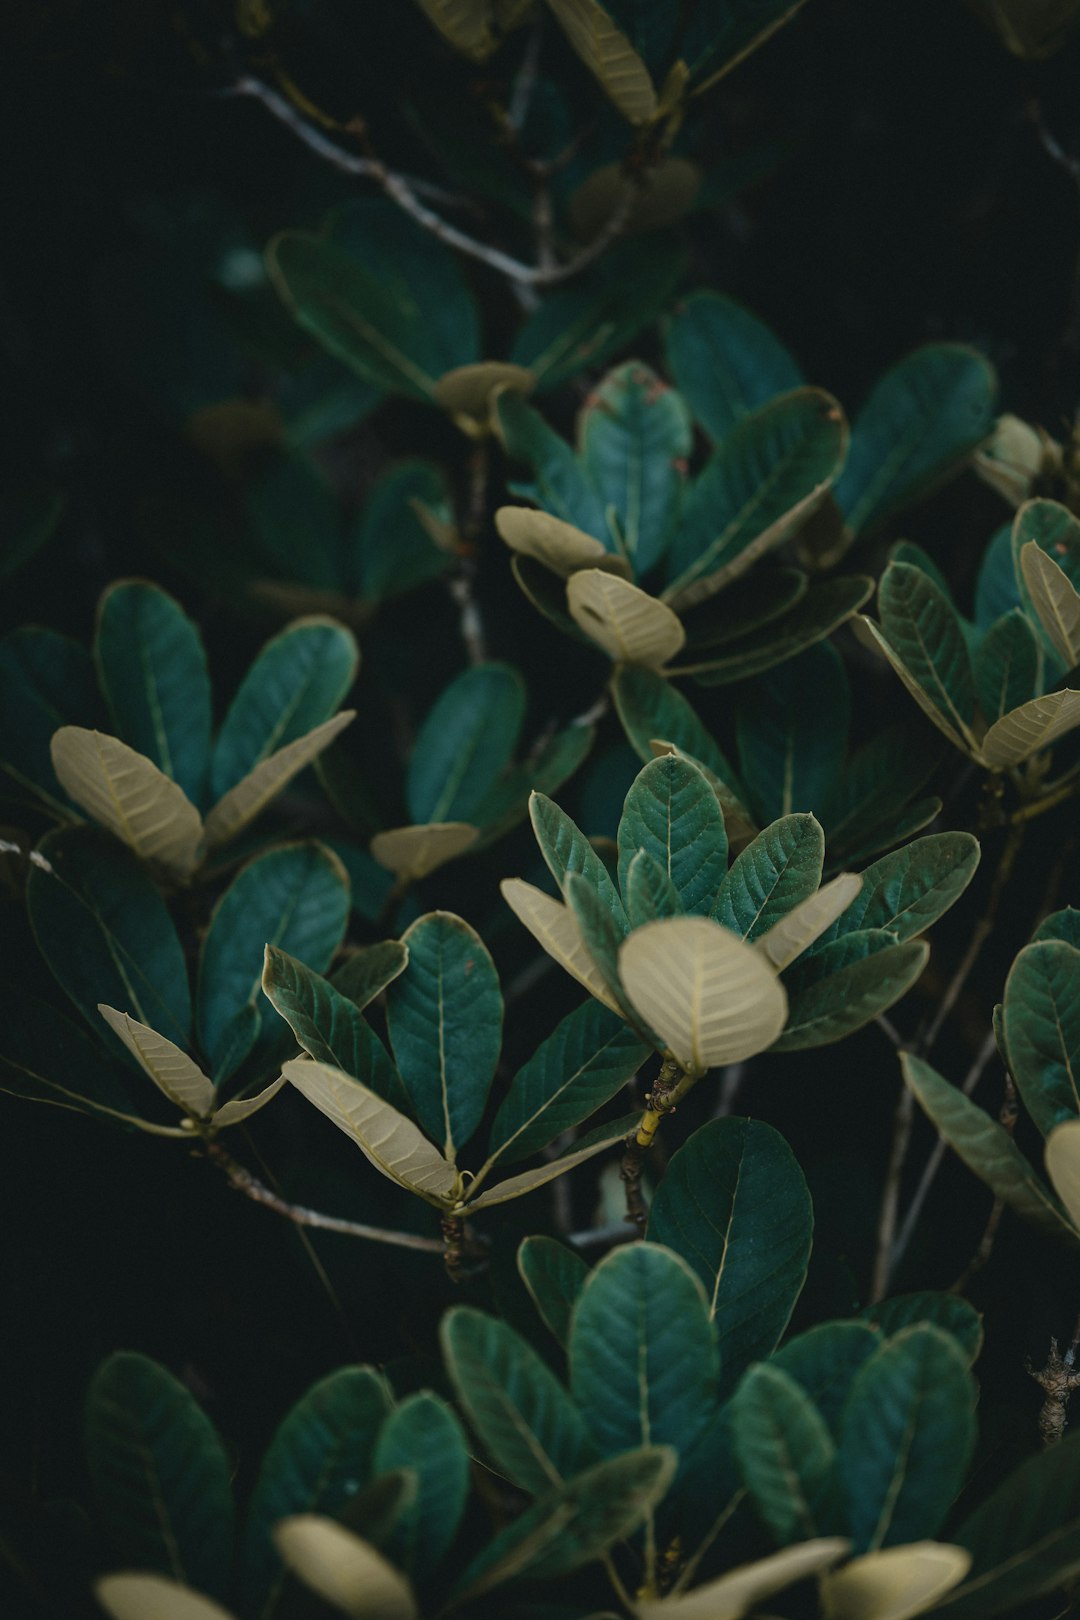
824,1361
582,1064
950,1312
573,1525
877,781
778,869
329,1026
295,897
1042,1031
160,1473
1007,666
561,485
996,590
319,1458
46,681
445,1015
152,667
726,363
1024,1539
757,599
672,814
366,971
840,988
396,502
424,1435
650,707
816,615
910,889
643,1351
530,1427
47,1057
764,480
649,892
295,684
921,421
1063,925
986,1148
465,743
546,769
923,629
907,1438
786,1455
635,438
105,932
735,1205
613,1133
554,1276
293,513
567,850
792,727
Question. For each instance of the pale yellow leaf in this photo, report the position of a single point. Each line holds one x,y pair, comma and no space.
154,1597
250,796
343,1569
738,822
609,55
393,1143
231,1113
729,1597
662,196
871,636
554,927
464,24
894,1583
1063,1166
412,852
558,545
805,922
125,792
710,996
171,1070
467,390
1014,457
631,626
1030,728
517,1186
1054,599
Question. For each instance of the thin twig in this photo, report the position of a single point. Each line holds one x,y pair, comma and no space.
1007,1117
890,1198
525,80
461,584
406,193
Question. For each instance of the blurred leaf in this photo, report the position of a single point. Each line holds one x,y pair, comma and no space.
554,1276
345,1570
46,681
894,1583
29,517
132,1597
609,56
792,727
1030,29
293,512
423,1434
650,707
465,743
726,363
389,549
786,1455
845,984
823,609
412,852
562,486
824,1360
738,1592
636,437
950,1312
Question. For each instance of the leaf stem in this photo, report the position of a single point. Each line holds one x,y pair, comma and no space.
671,1086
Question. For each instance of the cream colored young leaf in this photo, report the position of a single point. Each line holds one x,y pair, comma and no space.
894,1583
154,1597
805,922
1055,600
609,55
128,794
631,626
871,636
738,822
1014,457
1063,1166
412,852
730,1597
467,390
171,1070
1030,728
710,997
241,1108
250,796
393,1143
558,545
528,1180
464,24
343,1569
554,927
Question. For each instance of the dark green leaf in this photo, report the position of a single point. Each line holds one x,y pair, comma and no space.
530,1427
370,884
748,603
780,867
1063,925
792,727
547,593
152,667
734,1204
585,1062
842,987
366,971
911,888
296,898
566,850
465,743
922,420
561,485
445,1014
649,893
1006,666
786,1455
672,814
297,681
319,1459
378,567
923,630
877,781
996,590
1042,1031
46,681
950,1312
104,930
635,439
330,1027
545,771
554,1276
824,1360
49,1058
423,1435
650,707
293,513
907,1438
160,1473
726,363
816,615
